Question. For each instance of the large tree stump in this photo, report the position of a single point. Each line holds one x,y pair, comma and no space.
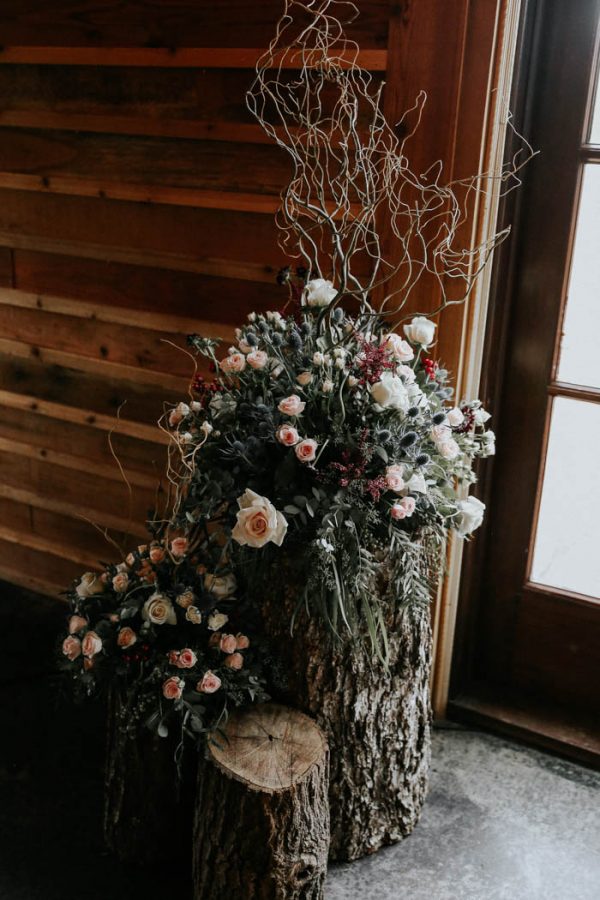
376,719
144,794
261,829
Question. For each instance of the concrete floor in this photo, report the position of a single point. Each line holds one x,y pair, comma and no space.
501,822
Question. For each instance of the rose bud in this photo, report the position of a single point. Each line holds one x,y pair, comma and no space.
235,661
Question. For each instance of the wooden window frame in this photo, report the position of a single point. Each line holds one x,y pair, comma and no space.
490,615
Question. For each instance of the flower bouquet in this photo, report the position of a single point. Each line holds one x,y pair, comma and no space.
168,637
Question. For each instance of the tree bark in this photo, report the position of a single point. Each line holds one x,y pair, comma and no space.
143,794
261,829
376,719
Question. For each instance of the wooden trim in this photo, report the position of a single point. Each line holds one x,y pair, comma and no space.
77,463
104,520
86,417
558,594
178,57
524,721
192,129
23,350
590,153
563,389
217,268
43,545
114,315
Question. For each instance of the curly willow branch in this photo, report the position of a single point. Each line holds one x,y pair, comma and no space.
353,210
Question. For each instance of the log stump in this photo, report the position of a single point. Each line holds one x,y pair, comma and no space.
144,794
261,829
377,720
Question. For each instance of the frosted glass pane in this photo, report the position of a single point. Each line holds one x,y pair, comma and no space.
567,544
579,361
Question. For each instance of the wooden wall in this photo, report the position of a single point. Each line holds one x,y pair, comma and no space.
136,205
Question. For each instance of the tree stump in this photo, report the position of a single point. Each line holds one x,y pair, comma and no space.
144,795
376,719
261,829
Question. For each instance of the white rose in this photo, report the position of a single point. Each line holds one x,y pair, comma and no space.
416,484
420,331
448,449
397,347
318,359
216,620
489,446
390,392
89,585
407,373
327,386
258,522
455,417
318,292
159,610
221,586
481,416
471,515
207,428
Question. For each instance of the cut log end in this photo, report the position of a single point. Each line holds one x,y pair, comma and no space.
269,748
262,813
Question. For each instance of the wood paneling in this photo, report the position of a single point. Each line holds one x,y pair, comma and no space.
136,205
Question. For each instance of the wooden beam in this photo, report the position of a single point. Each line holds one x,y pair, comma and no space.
192,129
23,350
218,268
54,548
199,198
181,57
102,519
32,582
77,463
78,416
116,315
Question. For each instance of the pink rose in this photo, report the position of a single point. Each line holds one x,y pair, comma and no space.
304,378
178,414
440,434
187,659
235,362
394,478
179,546
120,582
235,661
157,554
242,642
185,599
404,508
130,559
258,522
88,664
173,688
209,683
258,359
126,637
397,347
76,623
71,647
306,450
287,435
91,644
228,643
291,406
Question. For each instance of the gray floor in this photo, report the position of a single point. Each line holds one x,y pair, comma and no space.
501,822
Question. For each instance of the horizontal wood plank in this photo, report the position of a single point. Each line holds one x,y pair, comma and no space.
179,58
71,552
152,290
84,417
111,455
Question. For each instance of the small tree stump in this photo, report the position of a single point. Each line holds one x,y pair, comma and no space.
261,829
143,794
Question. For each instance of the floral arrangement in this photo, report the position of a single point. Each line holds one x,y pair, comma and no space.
171,631
328,439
